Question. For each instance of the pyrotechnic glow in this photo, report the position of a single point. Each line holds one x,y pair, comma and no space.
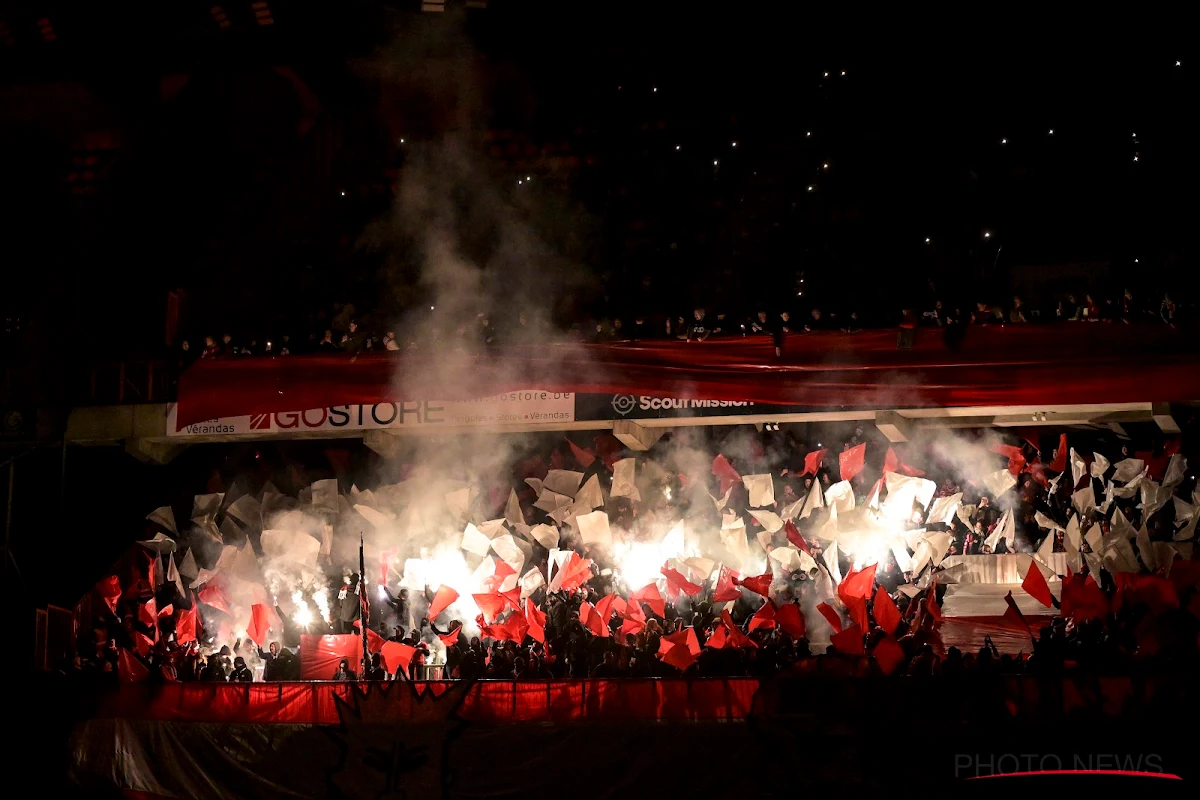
382,592
322,600
303,615
641,562
873,548
667,493
445,566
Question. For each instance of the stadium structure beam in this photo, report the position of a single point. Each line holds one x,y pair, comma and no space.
635,436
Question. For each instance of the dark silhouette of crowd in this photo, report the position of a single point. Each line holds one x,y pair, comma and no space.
343,332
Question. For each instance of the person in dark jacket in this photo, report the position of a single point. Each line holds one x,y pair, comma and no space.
344,673
241,673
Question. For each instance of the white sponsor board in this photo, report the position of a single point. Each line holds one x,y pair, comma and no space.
525,407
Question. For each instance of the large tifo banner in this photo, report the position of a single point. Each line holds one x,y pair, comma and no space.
524,408
736,737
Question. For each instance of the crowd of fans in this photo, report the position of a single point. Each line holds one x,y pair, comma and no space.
342,332
1130,620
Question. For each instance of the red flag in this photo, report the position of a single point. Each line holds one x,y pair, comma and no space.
142,643
856,609
888,654
793,536
650,595
679,657
260,623
1038,472
790,620
1060,457
812,462
608,448
1035,585
892,463
536,620
129,669
849,641
375,642
211,595
109,590
633,610
397,657
503,570
152,572
830,614
515,627
931,604
185,626
857,584
1016,458
513,598
591,620
584,457
166,610
759,584
575,571
443,598
1153,591
677,584
725,473
718,639
852,461
490,604
726,588
450,638
736,637
605,607
1083,599
685,637
887,616
1013,617
764,617
631,626
148,613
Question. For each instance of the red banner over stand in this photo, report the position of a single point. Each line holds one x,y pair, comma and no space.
995,365
320,655
673,738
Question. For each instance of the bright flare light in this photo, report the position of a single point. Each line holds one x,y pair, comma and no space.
302,616
872,548
322,600
445,566
641,563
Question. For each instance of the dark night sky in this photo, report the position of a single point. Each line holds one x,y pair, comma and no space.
214,191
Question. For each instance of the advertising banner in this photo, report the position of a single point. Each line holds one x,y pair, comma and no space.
525,407
642,406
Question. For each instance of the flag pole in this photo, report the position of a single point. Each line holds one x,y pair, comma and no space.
364,607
